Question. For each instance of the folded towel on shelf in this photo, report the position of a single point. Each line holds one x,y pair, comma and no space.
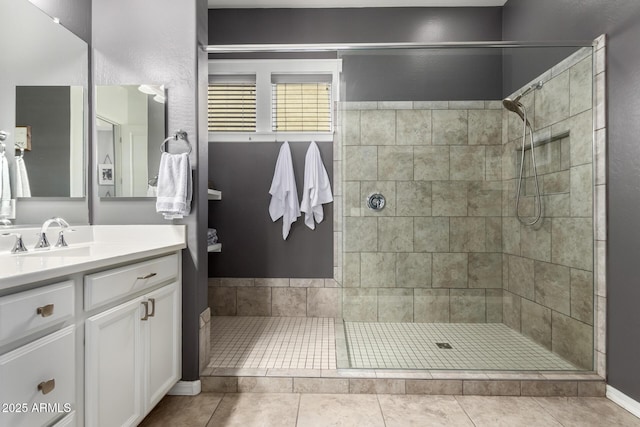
5,187
284,193
23,189
317,188
212,236
174,186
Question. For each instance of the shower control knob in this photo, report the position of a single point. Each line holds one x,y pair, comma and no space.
376,202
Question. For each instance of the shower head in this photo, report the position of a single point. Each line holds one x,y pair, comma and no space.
515,105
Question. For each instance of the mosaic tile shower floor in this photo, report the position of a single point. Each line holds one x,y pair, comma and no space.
482,346
310,343
273,342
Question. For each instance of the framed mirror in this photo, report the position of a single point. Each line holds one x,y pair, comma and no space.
130,127
43,108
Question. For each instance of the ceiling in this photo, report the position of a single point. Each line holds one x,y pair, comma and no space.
215,4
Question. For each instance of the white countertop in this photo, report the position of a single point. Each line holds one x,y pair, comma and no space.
89,247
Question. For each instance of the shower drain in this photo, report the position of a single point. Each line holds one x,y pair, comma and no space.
444,345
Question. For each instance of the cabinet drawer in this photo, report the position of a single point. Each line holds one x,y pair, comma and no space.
30,311
107,286
68,421
40,378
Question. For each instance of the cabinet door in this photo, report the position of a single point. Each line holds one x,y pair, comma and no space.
162,334
113,366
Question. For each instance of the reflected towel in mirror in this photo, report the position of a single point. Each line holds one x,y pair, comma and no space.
23,189
5,187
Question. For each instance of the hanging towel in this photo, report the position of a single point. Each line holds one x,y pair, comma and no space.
174,186
317,188
23,189
284,194
5,187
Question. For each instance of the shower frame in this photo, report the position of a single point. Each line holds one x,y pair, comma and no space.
598,113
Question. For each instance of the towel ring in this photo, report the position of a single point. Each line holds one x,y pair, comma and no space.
180,134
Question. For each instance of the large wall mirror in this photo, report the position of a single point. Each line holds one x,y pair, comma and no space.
43,97
130,127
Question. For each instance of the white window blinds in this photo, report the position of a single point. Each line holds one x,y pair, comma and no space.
232,106
301,103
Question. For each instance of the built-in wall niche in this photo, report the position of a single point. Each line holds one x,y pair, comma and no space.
130,128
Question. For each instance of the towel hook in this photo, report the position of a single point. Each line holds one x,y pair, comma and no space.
179,134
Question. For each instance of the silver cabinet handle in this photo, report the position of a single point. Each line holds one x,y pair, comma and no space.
153,307
47,387
45,310
146,310
147,276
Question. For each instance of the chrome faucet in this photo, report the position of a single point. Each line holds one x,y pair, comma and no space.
43,242
18,246
5,222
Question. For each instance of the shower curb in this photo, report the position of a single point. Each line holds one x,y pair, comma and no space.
385,382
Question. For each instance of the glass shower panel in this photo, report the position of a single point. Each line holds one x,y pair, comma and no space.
445,276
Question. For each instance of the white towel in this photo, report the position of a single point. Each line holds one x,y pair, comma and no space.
23,189
5,188
284,194
317,188
174,186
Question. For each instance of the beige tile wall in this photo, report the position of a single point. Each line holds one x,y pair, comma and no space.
434,254
548,268
281,297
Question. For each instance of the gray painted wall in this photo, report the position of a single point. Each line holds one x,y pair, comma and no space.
152,51
620,20
243,225
252,244
405,76
47,109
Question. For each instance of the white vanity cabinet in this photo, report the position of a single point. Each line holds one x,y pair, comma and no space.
132,350
90,335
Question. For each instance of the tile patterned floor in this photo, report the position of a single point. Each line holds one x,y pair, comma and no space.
308,410
273,343
310,343
475,346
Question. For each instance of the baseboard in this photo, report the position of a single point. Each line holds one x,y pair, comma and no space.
621,399
186,388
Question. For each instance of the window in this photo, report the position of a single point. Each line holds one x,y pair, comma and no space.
232,107
254,100
232,104
301,103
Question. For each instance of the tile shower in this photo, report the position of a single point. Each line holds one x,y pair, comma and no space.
446,260
448,248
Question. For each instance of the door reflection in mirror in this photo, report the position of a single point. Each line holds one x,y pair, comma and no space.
53,117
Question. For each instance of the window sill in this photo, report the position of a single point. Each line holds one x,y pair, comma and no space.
270,137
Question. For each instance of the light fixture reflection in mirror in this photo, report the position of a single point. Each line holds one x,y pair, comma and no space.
130,126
